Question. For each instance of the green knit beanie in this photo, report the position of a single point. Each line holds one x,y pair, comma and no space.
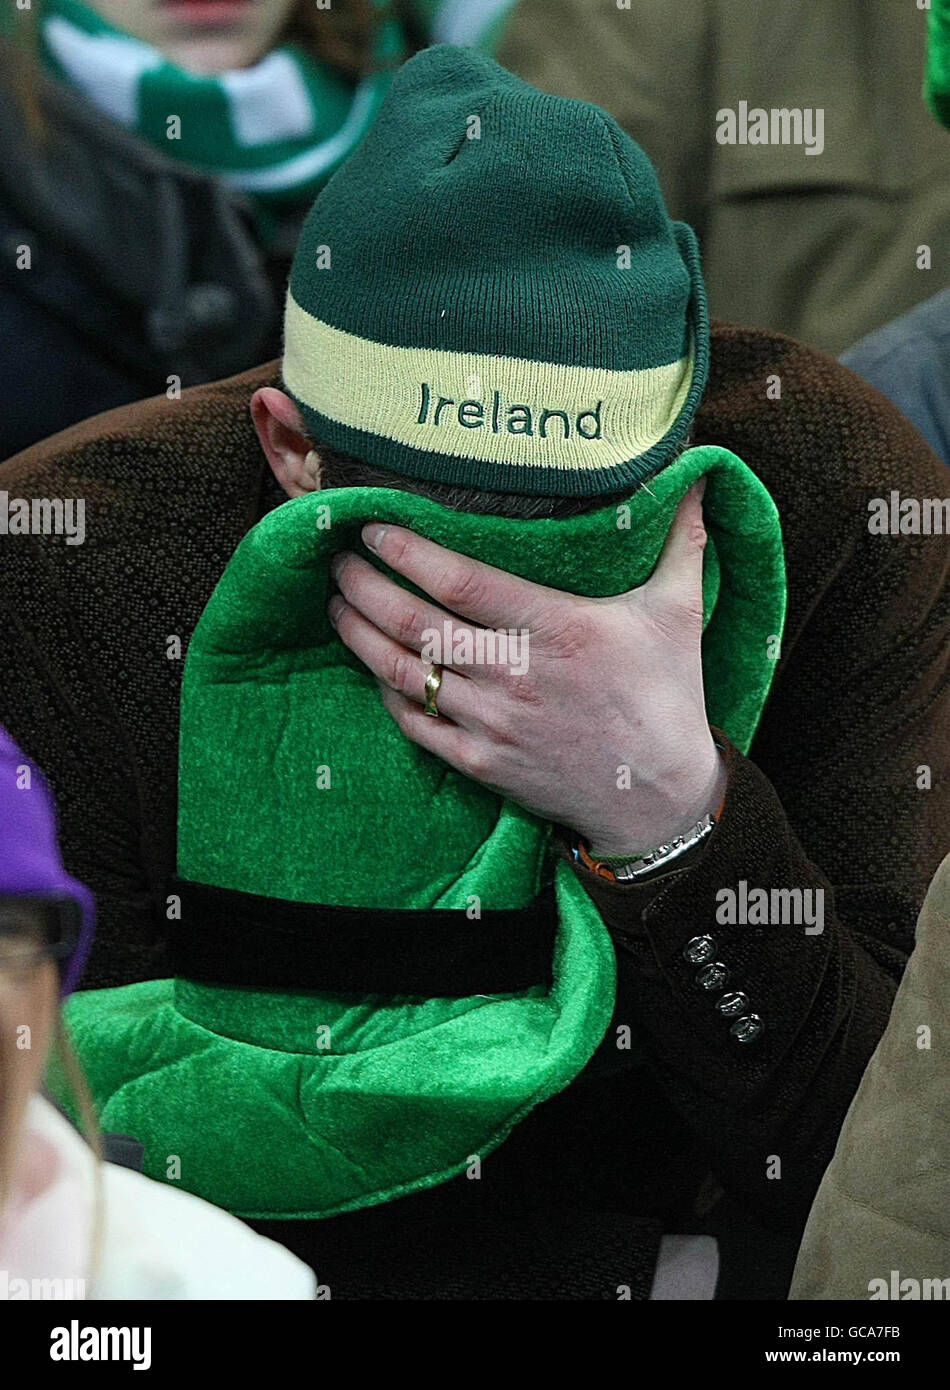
937,76
491,293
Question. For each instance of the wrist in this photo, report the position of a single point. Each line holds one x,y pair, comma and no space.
627,842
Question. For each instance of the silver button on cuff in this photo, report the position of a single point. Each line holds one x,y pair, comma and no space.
699,950
712,976
733,1004
747,1029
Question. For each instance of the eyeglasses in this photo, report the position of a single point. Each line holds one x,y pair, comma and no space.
34,928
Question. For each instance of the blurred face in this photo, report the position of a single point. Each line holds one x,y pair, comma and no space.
203,36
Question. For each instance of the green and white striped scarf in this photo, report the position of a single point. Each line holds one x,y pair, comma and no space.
276,130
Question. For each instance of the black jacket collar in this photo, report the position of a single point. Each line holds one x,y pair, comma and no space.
165,250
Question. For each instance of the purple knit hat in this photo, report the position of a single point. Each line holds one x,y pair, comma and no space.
30,861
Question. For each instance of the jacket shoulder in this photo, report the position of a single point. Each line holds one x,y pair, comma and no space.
807,425
150,445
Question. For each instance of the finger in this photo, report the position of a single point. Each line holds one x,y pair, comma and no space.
398,668
448,741
480,592
679,571
408,620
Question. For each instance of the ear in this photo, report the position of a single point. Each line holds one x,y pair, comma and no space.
281,431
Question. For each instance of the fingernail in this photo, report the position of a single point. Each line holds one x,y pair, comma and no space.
337,563
373,535
335,608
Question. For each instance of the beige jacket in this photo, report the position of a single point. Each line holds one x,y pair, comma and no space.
880,1224
822,246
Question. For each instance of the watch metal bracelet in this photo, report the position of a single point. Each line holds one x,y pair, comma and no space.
660,857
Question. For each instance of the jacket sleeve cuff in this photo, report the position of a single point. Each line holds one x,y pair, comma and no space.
691,938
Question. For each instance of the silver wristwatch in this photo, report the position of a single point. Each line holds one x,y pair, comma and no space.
666,854
635,870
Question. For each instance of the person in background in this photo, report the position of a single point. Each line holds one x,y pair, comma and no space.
909,360
819,239
72,1226
159,158
880,1224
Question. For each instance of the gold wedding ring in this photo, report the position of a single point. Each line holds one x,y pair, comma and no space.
433,686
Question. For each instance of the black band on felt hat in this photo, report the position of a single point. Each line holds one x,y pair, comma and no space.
226,937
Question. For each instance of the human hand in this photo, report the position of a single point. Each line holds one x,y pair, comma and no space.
604,730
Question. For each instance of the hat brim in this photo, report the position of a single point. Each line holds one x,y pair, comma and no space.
408,1093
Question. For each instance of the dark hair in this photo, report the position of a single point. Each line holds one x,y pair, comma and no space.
343,470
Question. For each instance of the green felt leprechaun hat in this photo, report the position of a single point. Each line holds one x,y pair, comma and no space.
937,72
382,966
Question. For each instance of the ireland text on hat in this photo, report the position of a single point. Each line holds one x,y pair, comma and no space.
516,418
529,413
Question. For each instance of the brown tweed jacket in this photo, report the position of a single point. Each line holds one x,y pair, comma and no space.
847,787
